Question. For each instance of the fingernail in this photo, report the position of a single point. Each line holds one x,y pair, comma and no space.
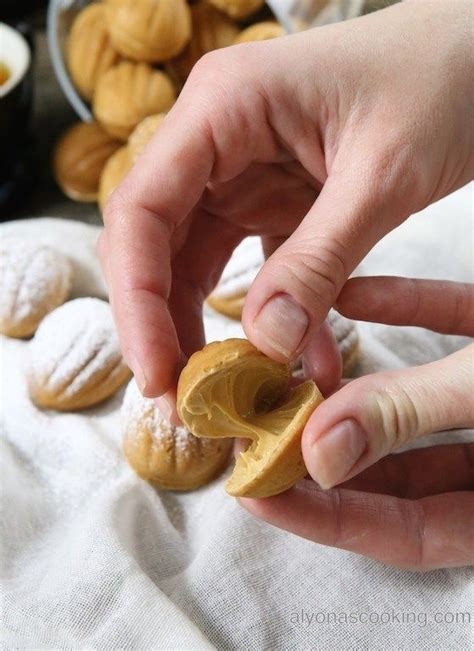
283,323
336,452
139,374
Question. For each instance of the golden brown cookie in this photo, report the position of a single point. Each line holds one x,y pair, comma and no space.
80,157
263,31
169,457
128,93
116,168
230,305
34,279
238,9
229,388
143,133
89,52
75,360
211,30
148,30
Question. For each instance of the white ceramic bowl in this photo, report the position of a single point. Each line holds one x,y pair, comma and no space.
15,54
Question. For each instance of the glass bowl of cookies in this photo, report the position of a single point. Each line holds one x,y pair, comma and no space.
122,64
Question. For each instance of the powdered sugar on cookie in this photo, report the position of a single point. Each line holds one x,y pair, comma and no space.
34,279
75,346
140,413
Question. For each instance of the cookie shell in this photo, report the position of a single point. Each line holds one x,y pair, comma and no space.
143,133
238,9
89,52
211,30
34,280
148,30
230,389
263,31
74,358
115,169
79,158
128,93
169,457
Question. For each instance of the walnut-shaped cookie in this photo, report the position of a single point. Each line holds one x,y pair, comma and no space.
263,31
128,93
148,30
89,52
167,456
238,9
143,133
230,389
79,158
211,30
115,169
74,358
34,279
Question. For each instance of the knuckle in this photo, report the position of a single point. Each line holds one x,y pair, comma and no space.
393,177
215,69
318,272
395,417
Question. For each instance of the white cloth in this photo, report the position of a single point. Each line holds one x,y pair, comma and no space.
95,558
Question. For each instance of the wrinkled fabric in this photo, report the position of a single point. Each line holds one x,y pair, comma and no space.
95,558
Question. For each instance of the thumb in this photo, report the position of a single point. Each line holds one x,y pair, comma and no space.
299,283
376,414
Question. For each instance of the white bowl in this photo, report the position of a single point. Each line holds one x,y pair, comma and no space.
15,54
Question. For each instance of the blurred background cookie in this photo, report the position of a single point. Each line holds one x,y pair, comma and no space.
79,158
74,239
262,31
89,52
34,279
148,30
238,9
169,457
128,93
114,171
74,358
143,133
211,30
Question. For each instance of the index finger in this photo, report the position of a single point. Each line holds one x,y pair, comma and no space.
140,218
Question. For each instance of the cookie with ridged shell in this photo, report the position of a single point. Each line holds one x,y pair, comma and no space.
34,280
74,358
128,93
169,457
89,52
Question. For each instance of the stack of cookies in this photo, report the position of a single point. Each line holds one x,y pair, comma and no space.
129,59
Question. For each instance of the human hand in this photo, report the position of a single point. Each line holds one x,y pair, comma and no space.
414,509
321,143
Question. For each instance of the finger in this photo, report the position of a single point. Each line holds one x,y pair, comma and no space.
420,534
197,267
376,414
296,287
271,196
209,120
322,360
419,473
443,306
